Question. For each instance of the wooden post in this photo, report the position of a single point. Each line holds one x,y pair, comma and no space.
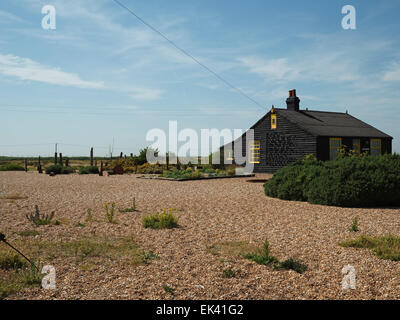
131,155
55,158
66,162
91,157
26,165
120,155
61,160
39,167
167,159
101,169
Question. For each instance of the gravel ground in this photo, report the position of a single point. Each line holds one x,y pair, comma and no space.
209,212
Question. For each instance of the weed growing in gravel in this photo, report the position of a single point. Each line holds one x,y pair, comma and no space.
293,264
256,254
130,209
32,275
164,220
110,212
89,215
354,225
385,247
149,256
9,261
168,289
228,273
38,219
28,233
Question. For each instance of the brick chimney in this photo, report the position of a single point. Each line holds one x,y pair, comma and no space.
293,102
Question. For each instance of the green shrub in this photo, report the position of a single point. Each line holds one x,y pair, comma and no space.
57,169
164,220
89,170
11,167
354,225
349,182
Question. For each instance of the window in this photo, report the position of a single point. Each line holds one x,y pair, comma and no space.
273,121
356,146
254,151
334,146
376,147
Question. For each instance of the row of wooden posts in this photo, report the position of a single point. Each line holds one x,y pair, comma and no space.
58,160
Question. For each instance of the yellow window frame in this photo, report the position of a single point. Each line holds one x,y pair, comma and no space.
254,151
273,121
376,147
357,145
334,146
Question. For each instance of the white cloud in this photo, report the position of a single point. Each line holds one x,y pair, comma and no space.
273,68
393,74
6,17
27,69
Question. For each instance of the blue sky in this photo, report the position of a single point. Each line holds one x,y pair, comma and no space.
102,75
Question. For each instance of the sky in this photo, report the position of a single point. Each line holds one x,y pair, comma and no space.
101,78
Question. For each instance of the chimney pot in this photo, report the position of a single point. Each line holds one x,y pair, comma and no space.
293,102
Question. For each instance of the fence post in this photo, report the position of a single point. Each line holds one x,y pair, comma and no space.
61,160
26,165
91,157
55,158
101,168
39,167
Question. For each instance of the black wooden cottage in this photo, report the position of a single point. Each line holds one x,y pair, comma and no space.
284,135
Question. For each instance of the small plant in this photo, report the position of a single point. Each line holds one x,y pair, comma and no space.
89,170
89,215
58,169
293,264
228,273
164,220
130,209
110,212
149,256
263,258
31,275
38,219
354,225
168,289
8,262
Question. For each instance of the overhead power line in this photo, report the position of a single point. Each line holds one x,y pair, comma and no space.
188,54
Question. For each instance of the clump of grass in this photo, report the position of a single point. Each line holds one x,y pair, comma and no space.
28,233
385,247
293,264
258,255
130,209
149,256
13,262
39,220
168,289
110,212
89,215
164,220
31,275
354,225
228,273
